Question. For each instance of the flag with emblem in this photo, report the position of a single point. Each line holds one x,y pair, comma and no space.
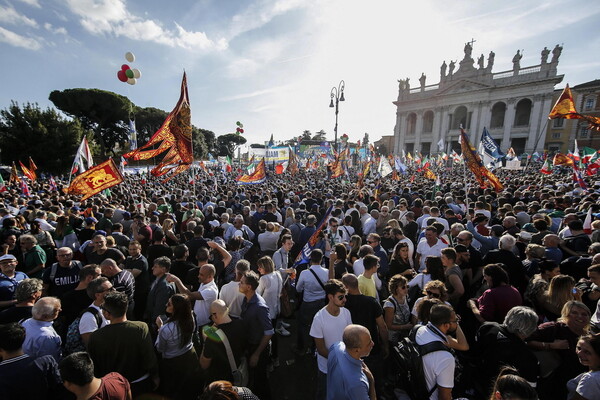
95,180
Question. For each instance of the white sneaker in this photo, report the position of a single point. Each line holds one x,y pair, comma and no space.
285,324
282,331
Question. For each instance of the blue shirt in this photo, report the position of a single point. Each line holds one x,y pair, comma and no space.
255,313
345,378
9,285
41,339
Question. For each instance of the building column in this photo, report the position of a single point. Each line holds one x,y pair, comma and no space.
443,127
401,129
485,112
534,123
418,131
509,122
436,133
475,123
547,103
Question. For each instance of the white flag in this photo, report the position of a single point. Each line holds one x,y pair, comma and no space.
441,144
384,167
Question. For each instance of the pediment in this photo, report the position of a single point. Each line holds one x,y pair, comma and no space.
462,86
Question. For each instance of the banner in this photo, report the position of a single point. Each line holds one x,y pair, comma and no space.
96,179
475,164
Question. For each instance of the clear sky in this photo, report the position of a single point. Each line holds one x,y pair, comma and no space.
272,64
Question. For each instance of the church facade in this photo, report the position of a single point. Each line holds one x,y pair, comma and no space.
513,105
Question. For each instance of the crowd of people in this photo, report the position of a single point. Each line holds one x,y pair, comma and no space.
186,290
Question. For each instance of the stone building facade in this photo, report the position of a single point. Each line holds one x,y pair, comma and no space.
513,105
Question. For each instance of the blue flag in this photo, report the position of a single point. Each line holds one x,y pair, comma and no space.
132,135
304,256
490,146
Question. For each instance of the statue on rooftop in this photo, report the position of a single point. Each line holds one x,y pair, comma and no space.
443,69
517,60
480,61
545,53
491,60
556,53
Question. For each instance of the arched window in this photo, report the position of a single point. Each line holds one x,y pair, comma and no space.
523,112
411,123
498,112
460,117
428,122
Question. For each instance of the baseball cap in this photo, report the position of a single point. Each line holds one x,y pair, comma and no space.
91,220
214,223
8,257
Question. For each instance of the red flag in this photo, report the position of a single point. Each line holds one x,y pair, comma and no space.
27,172
175,135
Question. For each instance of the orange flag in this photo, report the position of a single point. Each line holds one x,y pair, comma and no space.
27,172
565,106
561,159
96,179
175,135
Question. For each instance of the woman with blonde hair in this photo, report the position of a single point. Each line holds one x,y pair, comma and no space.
560,290
290,217
167,228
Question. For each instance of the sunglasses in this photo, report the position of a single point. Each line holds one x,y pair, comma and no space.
436,295
341,297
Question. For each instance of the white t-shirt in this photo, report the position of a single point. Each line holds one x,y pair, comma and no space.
425,250
209,292
230,294
330,328
269,287
87,323
437,366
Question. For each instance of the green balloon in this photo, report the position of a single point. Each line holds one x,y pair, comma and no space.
129,73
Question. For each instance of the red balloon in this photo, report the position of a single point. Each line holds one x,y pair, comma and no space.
121,76
241,131
125,67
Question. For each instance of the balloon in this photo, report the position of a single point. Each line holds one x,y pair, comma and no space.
136,73
129,56
129,73
241,131
241,125
131,81
124,67
121,76
238,123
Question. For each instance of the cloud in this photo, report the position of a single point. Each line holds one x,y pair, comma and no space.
60,30
10,16
256,93
111,17
258,15
17,40
33,3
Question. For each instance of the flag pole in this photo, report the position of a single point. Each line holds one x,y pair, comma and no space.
537,140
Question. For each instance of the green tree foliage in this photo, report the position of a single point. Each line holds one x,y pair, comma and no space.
228,143
46,136
320,136
147,122
306,135
104,113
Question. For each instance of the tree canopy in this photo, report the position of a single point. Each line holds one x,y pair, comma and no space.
104,113
45,135
228,143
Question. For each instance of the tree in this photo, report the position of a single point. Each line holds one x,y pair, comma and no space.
306,135
147,121
50,139
228,143
320,136
104,113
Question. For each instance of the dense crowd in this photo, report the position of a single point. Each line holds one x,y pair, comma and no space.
182,288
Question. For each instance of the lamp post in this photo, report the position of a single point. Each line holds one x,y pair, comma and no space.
338,95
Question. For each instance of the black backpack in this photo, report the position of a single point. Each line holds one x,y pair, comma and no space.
406,366
73,342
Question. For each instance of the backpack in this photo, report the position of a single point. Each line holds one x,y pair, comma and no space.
73,342
405,369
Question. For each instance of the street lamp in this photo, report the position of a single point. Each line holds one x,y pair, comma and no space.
338,95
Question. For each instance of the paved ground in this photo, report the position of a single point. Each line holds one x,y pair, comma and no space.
296,377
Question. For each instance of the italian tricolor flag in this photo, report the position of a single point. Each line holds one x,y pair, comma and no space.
2,185
547,168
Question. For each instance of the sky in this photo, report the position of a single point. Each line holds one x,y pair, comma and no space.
272,64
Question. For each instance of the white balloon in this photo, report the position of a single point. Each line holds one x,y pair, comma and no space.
129,56
131,81
137,73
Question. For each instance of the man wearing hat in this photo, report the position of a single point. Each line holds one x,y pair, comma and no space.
9,279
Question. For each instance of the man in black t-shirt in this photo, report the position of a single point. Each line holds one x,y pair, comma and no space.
97,251
62,276
366,311
213,359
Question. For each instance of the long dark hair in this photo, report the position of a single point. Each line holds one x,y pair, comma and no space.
220,390
182,316
434,267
